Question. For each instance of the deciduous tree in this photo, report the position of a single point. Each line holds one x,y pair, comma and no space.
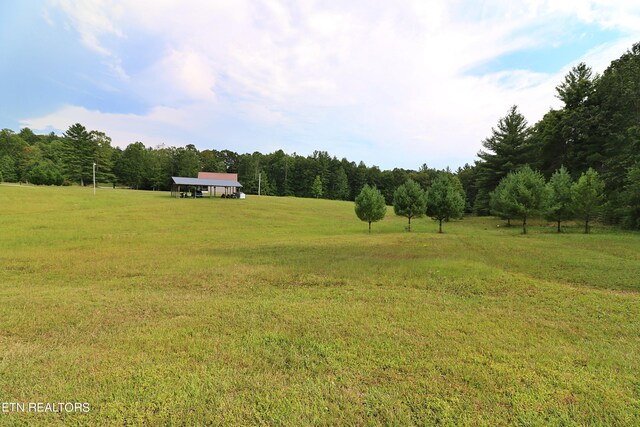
135,165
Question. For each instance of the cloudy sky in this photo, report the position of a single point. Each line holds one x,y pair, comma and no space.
392,83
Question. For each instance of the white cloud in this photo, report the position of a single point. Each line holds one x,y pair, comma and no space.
178,76
122,128
395,75
92,19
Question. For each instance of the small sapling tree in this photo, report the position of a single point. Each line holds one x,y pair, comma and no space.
409,200
370,205
526,194
500,204
560,206
316,187
444,200
587,195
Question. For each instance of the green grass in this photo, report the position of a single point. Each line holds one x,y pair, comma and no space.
286,311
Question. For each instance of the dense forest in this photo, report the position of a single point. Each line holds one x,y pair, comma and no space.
598,128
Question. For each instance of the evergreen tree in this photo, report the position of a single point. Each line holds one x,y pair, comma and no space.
359,179
390,181
560,202
445,200
266,186
500,203
468,177
79,154
579,119
526,194
577,88
552,146
587,196
316,187
340,185
370,205
632,198
320,162
103,157
28,136
506,149
410,201
618,122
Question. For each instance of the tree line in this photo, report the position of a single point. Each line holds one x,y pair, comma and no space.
597,128
69,158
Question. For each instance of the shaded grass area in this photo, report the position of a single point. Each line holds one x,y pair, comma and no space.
285,311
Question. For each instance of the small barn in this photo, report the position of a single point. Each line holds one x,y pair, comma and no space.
223,176
212,186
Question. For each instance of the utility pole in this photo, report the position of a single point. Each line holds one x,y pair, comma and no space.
259,182
94,179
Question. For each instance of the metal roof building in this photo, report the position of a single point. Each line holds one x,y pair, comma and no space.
179,182
218,175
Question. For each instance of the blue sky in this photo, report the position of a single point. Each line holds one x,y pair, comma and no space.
396,85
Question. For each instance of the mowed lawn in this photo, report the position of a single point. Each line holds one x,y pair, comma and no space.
285,311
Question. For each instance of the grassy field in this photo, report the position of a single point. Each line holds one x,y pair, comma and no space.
285,311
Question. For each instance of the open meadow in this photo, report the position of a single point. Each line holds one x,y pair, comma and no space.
285,311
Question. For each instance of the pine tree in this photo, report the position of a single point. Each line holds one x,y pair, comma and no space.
103,157
340,187
316,187
526,194
445,199
266,186
409,200
587,196
506,149
79,153
370,205
500,203
560,202
631,196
